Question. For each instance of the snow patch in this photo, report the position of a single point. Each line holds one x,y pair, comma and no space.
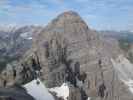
89,98
129,84
124,69
79,83
29,38
26,35
38,90
62,91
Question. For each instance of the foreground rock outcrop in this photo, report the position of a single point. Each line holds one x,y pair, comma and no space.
14,93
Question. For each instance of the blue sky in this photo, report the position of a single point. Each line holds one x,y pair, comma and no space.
99,14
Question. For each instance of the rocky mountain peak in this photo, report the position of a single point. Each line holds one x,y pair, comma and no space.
70,25
69,15
70,12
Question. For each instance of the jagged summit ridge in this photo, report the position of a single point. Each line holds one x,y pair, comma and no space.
70,25
67,18
69,13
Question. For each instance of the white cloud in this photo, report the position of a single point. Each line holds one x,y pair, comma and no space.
3,2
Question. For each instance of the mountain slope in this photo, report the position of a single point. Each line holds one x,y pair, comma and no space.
85,52
68,51
14,42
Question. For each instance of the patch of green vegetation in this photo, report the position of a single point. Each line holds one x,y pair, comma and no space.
93,98
124,44
45,83
130,56
4,60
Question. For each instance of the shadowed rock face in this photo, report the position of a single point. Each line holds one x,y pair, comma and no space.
14,93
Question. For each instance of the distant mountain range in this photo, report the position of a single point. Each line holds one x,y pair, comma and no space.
119,35
14,42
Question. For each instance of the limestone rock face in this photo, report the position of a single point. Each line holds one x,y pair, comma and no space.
75,94
69,51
